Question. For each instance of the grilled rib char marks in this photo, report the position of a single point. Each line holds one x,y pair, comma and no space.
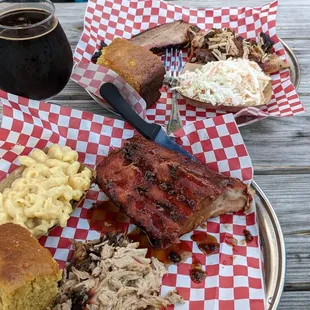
165,193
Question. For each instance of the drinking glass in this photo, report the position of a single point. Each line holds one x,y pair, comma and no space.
35,56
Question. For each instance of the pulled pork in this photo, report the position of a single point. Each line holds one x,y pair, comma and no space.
112,274
221,44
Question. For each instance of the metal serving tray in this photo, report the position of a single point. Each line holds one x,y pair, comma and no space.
273,246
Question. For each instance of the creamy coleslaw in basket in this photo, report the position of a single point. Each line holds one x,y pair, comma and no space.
233,82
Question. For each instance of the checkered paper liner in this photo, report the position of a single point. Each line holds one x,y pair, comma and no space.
107,19
90,76
234,275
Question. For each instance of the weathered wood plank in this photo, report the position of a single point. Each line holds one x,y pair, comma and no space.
290,198
71,18
295,300
278,142
298,260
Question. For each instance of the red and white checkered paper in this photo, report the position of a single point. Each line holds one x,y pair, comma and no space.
234,275
107,19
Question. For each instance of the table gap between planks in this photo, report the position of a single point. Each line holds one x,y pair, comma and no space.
279,148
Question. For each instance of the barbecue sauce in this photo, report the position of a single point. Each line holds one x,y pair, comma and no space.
172,255
105,217
231,241
196,273
203,225
248,236
206,243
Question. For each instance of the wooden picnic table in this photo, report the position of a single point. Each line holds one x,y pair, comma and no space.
279,147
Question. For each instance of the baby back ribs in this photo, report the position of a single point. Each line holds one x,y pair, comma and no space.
165,193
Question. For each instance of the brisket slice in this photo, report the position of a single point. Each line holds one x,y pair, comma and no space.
165,193
163,36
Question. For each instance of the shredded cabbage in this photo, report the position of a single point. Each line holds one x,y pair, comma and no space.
233,82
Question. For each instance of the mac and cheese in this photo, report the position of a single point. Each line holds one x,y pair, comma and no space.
42,197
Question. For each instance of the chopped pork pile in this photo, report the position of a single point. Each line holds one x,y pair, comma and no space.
112,274
221,44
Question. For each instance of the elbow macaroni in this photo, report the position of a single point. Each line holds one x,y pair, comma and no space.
42,197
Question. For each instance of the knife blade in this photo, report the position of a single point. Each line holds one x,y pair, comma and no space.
110,93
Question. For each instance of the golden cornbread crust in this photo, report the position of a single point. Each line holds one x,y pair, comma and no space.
28,273
142,69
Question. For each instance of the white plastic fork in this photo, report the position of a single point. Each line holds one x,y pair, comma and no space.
173,64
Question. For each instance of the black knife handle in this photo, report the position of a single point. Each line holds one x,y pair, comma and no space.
113,97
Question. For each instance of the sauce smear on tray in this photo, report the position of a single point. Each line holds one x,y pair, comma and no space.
248,236
105,217
196,273
206,243
231,241
172,255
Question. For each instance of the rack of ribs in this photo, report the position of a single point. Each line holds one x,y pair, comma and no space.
165,193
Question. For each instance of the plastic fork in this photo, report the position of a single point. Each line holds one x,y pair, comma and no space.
173,62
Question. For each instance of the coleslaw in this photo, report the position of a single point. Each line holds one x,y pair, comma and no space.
232,82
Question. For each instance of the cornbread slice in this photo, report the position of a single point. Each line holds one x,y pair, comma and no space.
142,69
28,273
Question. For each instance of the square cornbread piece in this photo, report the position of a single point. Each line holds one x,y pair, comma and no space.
28,273
139,67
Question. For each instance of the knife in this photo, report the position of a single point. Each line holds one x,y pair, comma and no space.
151,131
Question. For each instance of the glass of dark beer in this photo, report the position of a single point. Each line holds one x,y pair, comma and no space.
35,56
